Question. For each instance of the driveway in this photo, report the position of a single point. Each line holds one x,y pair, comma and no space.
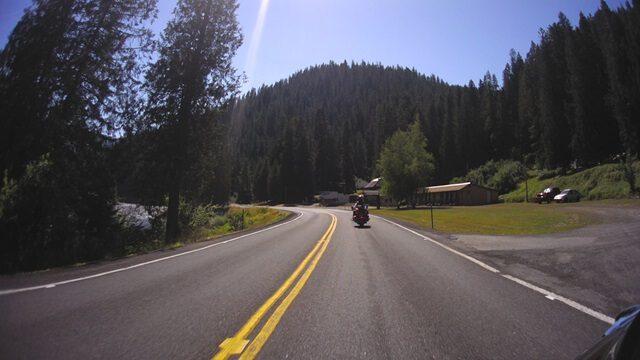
598,266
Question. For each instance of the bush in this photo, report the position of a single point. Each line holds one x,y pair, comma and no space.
58,212
201,216
504,175
133,236
217,221
628,170
236,220
548,174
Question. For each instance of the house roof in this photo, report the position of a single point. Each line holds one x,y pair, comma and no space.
373,184
445,188
360,183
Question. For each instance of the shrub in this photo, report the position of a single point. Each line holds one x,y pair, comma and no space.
236,220
548,174
503,175
59,211
133,236
218,221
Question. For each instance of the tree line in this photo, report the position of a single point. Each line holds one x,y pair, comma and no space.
89,100
572,101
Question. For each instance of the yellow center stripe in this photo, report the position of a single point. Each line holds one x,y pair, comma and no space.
235,345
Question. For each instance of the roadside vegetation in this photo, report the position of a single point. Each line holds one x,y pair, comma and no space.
198,223
503,175
142,229
601,182
405,164
498,219
207,225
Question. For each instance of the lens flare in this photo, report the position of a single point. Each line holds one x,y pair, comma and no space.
255,38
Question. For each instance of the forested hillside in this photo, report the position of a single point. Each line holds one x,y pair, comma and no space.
573,100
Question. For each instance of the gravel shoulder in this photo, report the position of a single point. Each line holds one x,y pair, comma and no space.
598,266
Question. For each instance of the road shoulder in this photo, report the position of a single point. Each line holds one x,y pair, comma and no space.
597,265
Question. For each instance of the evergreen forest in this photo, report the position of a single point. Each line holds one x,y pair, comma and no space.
572,101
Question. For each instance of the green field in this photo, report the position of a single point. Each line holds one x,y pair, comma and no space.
499,219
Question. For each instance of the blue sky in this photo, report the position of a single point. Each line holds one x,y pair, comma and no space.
453,39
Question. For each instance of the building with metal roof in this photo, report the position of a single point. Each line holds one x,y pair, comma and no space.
457,194
373,196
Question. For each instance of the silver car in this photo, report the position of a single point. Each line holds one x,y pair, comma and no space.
567,195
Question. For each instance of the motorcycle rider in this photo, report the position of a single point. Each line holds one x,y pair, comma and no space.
360,204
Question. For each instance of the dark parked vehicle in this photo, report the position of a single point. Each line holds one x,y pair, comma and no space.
547,195
621,341
567,195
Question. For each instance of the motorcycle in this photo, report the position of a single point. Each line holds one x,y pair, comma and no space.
360,215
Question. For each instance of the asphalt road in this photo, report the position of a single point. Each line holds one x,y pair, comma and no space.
382,292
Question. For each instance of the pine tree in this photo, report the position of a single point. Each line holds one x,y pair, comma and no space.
193,73
529,106
347,167
303,165
489,108
513,139
620,41
326,160
594,130
65,68
554,95
260,188
448,156
64,80
464,136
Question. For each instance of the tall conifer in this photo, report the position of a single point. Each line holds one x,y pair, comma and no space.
192,75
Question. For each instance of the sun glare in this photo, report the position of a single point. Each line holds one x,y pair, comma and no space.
255,38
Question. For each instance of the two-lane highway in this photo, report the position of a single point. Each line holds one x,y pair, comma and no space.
314,287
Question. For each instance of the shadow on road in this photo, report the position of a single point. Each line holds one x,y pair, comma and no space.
362,227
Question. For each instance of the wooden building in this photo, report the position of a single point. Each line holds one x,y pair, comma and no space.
373,197
457,194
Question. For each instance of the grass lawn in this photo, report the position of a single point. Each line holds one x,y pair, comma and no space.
498,219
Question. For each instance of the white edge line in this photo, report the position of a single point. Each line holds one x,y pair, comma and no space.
609,320
573,304
478,262
52,285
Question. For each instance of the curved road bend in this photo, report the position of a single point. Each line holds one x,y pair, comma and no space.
374,293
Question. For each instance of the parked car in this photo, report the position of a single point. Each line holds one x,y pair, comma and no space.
567,195
547,195
620,341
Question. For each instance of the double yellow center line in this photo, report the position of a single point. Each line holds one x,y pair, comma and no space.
237,345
